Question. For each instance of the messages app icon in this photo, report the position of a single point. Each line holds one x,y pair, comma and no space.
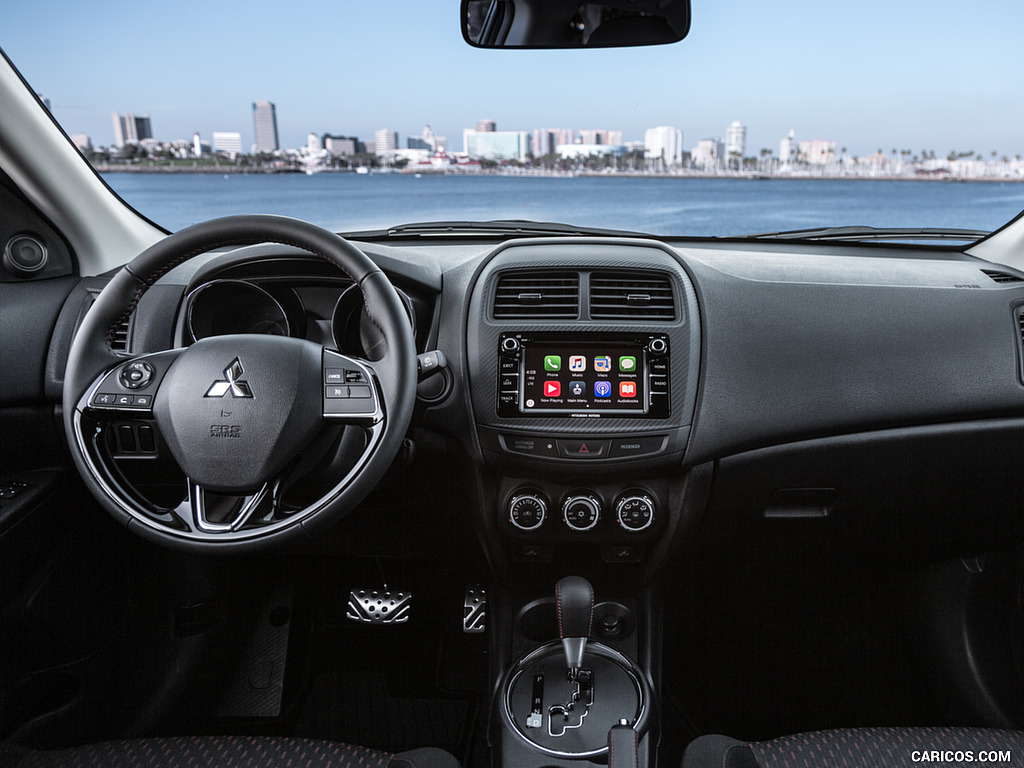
627,363
603,363
552,362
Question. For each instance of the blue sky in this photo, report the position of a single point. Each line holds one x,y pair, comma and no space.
870,74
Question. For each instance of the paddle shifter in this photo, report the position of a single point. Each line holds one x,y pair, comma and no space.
574,602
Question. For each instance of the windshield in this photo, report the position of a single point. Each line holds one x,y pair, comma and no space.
765,118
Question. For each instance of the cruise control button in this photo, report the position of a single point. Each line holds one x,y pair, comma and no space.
583,449
334,376
360,391
354,376
334,393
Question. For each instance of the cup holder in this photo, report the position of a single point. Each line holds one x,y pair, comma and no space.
538,621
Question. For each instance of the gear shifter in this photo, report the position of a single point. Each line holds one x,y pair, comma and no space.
574,602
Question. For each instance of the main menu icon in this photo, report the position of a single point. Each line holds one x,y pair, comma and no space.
577,388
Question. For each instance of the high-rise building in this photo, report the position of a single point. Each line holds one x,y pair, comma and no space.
601,137
709,154
787,148
546,140
229,142
496,145
486,126
736,139
264,121
817,151
385,140
664,144
131,129
340,146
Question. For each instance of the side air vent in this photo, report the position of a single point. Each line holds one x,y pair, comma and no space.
119,343
1003,277
538,295
631,294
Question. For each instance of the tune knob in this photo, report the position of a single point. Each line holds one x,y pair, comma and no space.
635,511
581,511
527,511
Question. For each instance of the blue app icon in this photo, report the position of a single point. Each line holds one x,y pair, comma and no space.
603,388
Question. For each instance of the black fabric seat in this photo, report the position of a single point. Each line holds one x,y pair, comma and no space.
862,748
223,751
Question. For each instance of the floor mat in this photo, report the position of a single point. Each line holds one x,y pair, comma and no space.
358,708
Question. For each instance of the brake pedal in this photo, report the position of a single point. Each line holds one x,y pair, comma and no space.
474,614
372,606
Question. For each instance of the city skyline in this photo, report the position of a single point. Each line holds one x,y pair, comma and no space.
910,75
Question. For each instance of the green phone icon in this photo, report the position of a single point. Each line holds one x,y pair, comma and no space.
552,362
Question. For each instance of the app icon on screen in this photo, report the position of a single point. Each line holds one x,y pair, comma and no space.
603,388
552,362
552,389
627,364
577,363
577,388
627,389
603,363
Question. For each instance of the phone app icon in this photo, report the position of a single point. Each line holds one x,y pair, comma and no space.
577,388
552,389
627,364
603,363
603,388
627,389
577,363
552,362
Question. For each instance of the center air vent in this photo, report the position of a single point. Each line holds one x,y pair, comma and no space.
538,295
631,294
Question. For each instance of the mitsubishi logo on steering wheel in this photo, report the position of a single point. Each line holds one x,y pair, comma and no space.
230,383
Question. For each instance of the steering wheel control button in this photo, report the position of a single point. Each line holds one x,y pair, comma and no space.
334,375
104,398
583,449
581,511
635,511
136,375
527,511
336,392
354,376
359,392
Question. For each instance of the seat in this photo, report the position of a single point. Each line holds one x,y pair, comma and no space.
217,751
861,748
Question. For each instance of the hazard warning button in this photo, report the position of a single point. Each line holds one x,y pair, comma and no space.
583,449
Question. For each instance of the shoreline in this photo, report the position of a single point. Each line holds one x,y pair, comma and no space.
233,170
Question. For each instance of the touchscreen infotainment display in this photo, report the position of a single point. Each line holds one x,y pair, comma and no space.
578,377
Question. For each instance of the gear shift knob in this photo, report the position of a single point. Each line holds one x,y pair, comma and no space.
574,603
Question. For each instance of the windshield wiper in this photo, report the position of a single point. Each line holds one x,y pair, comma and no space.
861,233
498,228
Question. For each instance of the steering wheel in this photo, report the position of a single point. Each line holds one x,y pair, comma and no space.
236,413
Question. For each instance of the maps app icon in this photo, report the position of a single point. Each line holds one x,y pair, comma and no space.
603,363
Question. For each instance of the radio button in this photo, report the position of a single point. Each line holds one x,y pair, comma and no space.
658,384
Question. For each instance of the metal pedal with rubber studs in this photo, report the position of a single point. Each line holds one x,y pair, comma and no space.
373,606
474,614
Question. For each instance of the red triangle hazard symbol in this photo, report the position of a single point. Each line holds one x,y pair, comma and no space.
583,449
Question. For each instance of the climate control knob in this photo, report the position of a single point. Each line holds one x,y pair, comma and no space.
581,511
634,511
527,510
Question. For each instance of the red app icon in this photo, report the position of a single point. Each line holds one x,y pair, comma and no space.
627,389
552,388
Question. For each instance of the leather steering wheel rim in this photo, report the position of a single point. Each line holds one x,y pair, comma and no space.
394,375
